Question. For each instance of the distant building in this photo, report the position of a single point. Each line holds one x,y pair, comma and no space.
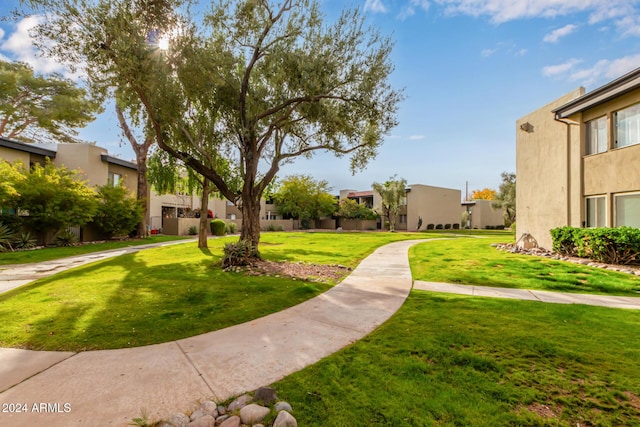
435,205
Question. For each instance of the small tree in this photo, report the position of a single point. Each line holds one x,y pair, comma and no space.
393,192
11,176
506,197
484,194
303,198
118,213
350,209
43,109
54,198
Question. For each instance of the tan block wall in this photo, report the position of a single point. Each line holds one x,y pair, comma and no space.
544,159
436,205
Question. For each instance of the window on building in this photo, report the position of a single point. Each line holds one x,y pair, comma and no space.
597,136
627,209
627,126
596,211
403,219
271,216
114,179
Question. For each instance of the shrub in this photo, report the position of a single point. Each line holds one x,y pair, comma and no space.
619,245
231,228
238,254
218,227
419,222
439,227
564,240
456,226
118,213
430,226
447,226
193,230
66,238
279,228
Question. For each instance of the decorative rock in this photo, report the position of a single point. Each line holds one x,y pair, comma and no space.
285,419
231,422
203,421
283,406
253,414
222,418
266,395
209,408
179,420
239,403
196,414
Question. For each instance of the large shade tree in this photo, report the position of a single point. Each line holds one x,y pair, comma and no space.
37,108
253,85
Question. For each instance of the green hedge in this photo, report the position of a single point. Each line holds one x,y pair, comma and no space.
218,227
619,245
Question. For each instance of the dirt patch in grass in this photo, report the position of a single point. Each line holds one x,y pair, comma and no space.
633,399
298,270
543,411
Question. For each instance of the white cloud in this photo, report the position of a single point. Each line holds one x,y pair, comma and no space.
375,6
602,71
410,9
553,70
500,11
488,52
416,137
555,35
629,25
20,47
521,52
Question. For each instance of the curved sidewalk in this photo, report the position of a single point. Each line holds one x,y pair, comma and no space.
531,295
16,275
111,387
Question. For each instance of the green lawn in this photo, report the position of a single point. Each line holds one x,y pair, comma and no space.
163,294
48,254
473,261
446,360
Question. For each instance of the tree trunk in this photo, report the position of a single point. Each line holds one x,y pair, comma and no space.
204,215
142,191
251,221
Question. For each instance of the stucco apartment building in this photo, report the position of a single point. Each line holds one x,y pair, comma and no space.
435,205
578,161
99,168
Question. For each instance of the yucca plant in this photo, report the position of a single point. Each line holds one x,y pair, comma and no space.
24,240
5,238
66,238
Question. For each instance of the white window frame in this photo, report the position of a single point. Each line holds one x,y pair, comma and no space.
586,211
615,206
629,129
114,179
601,142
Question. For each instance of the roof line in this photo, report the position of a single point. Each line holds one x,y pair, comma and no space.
615,88
26,148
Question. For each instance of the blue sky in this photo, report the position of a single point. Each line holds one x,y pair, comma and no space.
470,69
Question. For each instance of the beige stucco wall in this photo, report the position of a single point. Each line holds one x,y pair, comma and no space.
13,156
483,215
544,159
86,158
436,205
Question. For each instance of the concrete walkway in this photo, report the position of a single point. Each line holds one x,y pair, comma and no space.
13,276
111,387
524,294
